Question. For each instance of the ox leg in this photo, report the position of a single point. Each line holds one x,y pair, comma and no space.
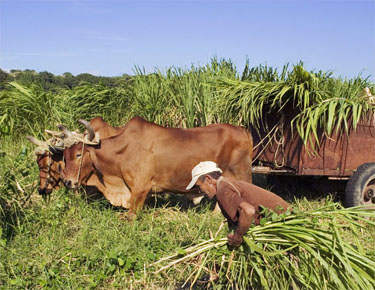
114,190
240,167
137,201
243,174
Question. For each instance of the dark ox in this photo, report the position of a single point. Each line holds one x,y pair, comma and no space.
50,160
146,157
50,164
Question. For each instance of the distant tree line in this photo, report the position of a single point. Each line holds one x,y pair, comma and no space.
51,82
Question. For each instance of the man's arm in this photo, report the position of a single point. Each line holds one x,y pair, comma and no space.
246,216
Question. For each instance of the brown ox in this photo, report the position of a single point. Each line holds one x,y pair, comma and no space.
146,157
50,160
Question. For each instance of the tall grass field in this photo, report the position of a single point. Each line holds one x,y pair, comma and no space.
70,242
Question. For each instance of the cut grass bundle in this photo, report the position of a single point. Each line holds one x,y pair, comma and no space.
299,250
312,101
343,106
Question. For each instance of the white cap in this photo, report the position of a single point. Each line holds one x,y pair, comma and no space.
201,169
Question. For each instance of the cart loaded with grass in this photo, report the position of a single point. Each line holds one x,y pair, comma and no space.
303,124
309,124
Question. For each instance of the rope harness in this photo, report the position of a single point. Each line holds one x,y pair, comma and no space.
80,163
269,141
272,136
280,144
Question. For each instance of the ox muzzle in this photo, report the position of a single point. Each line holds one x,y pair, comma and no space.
44,191
71,185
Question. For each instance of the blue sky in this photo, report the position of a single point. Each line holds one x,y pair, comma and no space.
111,37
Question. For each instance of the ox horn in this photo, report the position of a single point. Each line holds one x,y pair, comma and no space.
90,130
66,132
55,133
35,141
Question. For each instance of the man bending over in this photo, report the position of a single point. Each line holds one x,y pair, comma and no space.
239,201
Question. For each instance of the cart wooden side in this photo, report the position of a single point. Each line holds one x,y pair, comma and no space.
338,156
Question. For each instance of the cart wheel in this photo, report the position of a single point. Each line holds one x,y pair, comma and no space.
360,189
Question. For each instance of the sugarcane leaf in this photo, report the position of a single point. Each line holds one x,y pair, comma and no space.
331,116
255,248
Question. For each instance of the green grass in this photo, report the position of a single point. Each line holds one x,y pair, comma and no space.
70,243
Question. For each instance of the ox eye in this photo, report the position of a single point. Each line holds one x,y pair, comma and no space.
78,155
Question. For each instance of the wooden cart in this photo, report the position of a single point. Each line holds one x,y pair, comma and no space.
344,155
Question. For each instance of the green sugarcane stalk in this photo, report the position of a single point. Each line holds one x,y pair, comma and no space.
320,250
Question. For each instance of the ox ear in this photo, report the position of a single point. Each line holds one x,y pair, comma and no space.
96,140
93,158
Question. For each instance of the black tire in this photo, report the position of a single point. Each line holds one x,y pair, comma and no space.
363,180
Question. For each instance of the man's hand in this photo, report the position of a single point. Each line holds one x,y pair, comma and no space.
246,215
234,240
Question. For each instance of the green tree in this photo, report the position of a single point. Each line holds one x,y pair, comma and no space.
69,80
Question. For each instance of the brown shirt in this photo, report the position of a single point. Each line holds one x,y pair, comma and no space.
231,192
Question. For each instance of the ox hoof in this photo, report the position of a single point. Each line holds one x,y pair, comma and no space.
128,216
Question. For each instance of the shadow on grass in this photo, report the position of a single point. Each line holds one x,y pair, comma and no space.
288,187
166,200
153,200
